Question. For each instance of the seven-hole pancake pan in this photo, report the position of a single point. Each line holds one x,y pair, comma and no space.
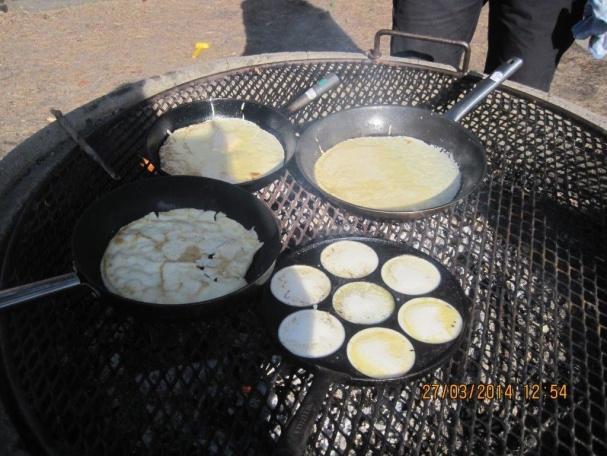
428,356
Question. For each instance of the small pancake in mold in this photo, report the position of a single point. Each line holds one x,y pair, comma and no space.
311,333
381,353
349,259
363,303
409,274
300,285
430,320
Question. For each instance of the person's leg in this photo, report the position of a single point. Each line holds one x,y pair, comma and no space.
452,19
538,31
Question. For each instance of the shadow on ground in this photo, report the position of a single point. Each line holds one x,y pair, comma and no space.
291,25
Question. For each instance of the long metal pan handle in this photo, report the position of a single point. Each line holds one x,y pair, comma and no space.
327,83
375,53
25,293
483,88
293,441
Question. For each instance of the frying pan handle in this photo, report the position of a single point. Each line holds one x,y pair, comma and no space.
375,53
293,441
25,293
483,88
327,83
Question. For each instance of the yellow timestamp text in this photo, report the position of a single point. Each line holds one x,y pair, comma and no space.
493,391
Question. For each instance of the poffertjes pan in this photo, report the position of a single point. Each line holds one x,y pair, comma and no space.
106,216
368,194
349,329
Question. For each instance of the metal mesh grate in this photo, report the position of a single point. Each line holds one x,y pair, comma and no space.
528,248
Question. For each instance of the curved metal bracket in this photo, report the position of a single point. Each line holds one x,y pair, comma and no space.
375,53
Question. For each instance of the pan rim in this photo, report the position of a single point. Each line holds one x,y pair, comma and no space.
103,290
253,183
411,214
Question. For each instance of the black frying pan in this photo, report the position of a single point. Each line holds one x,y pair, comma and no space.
100,222
440,130
336,367
272,120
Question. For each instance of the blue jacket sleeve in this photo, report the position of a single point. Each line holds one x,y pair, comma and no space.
594,26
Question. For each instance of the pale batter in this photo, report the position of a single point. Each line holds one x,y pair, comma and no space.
397,173
231,150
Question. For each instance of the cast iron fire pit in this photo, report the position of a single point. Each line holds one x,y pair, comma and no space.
527,248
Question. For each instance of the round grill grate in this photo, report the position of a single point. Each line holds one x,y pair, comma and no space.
528,249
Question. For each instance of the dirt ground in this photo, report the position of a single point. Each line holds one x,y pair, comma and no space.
63,53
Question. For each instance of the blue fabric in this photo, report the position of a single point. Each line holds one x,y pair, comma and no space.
594,26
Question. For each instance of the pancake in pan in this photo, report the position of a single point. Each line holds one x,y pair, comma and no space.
349,259
311,333
363,303
300,285
411,275
231,150
179,256
393,173
381,353
430,320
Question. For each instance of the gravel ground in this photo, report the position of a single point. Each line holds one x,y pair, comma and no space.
63,53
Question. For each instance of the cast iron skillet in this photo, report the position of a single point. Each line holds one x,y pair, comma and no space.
100,222
271,120
440,130
336,366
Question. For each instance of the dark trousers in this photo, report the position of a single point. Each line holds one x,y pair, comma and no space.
538,31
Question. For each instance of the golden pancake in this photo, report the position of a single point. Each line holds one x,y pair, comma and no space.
410,274
363,303
349,259
381,353
430,320
396,173
231,150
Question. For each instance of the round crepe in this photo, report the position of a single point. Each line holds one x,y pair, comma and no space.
179,256
363,303
381,353
410,275
430,320
349,259
396,173
231,150
300,285
311,333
